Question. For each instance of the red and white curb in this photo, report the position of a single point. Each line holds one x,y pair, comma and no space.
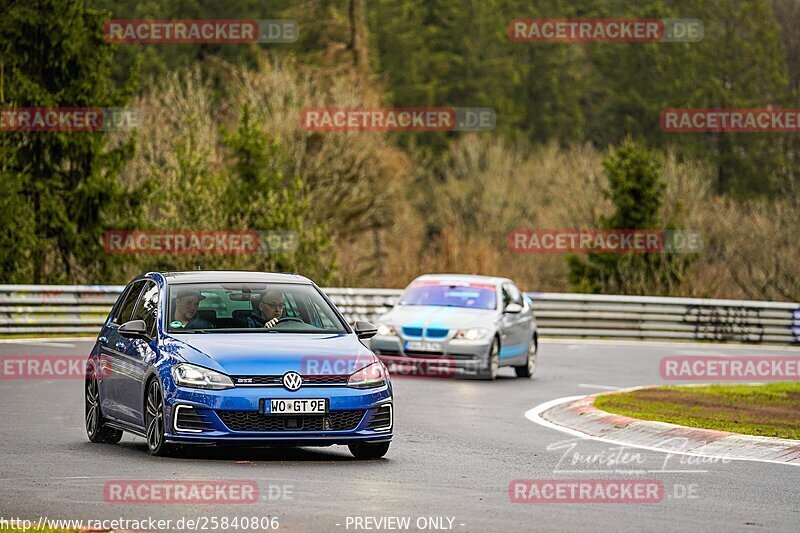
577,416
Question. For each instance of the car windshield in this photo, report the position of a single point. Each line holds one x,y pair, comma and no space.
250,308
451,294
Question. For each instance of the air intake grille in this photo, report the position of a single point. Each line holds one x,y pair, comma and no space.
436,333
189,419
381,418
412,331
254,421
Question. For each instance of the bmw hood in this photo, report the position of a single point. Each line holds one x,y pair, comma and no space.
439,317
271,354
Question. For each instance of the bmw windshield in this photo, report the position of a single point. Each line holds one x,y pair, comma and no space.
250,308
451,294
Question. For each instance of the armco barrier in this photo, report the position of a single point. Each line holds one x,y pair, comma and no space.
56,309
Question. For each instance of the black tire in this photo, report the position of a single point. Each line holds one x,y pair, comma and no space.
96,428
527,370
492,363
365,450
155,420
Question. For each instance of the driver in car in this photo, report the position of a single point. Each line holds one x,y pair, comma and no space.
186,316
270,310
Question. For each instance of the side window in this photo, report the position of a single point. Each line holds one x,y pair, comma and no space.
515,294
125,308
147,308
506,297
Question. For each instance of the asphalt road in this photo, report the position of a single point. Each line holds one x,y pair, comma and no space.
458,445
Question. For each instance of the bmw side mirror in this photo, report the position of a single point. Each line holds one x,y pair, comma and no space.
364,329
513,308
134,329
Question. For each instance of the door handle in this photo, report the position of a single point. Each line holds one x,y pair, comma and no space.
120,346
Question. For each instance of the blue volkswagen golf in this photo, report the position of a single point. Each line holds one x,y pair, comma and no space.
236,357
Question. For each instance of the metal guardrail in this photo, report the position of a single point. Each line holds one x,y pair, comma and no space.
57,309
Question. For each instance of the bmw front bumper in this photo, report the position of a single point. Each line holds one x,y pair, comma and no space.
462,357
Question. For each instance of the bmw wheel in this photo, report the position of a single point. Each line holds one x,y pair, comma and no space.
154,420
96,429
493,362
527,370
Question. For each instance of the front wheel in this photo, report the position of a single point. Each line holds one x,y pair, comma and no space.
365,450
492,363
96,429
154,420
527,370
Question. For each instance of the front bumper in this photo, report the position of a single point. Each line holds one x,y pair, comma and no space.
459,357
211,407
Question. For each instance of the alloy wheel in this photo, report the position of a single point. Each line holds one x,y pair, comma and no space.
155,417
92,407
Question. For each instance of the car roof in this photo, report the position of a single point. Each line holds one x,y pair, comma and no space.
232,276
473,278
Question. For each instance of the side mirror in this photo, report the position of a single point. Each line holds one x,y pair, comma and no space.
134,329
364,329
513,308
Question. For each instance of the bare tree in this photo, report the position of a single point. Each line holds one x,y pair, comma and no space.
358,36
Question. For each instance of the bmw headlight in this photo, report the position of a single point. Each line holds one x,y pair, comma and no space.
370,376
386,330
187,375
472,334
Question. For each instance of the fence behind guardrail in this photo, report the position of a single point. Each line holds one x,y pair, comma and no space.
56,309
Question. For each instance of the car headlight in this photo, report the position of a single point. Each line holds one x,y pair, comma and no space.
198,377
373,375
386,330
472,334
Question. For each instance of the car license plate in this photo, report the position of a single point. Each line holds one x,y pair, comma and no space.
295,407
422,346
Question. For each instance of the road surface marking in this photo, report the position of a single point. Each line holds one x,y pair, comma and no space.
601,387
535,416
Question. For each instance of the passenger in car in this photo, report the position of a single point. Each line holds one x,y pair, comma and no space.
186,316
270,310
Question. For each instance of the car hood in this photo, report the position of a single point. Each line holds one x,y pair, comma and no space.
270,354
439,317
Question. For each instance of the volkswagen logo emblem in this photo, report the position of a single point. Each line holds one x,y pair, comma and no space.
292,381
